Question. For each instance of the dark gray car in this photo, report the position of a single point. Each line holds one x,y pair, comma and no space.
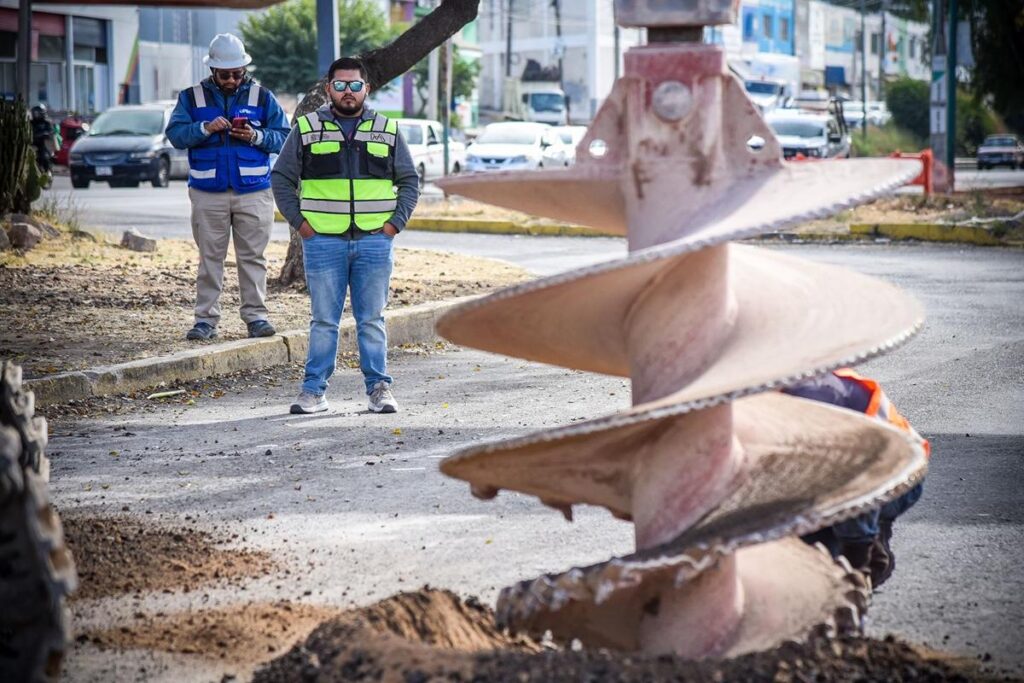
126,145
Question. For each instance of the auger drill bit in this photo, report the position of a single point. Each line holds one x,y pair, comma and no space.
717,474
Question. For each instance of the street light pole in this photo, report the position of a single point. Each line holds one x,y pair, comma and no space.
951,95
326,34
24,68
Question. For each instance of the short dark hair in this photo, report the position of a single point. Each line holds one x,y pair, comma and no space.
347,63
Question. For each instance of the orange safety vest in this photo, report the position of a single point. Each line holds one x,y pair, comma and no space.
880,407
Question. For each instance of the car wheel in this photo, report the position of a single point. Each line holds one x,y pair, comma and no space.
163,173
422,173
79,183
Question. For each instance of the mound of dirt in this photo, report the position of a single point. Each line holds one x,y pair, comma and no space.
432,635
116,555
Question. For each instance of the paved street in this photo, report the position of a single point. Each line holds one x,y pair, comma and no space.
364,493
165,212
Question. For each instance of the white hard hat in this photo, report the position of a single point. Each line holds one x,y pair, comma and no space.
226,52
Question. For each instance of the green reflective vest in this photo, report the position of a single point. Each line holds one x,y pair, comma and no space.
334,198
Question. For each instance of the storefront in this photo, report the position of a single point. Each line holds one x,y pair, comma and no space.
72,57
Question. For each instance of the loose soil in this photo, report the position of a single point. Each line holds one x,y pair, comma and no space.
432,635
118,555
79,302
245,636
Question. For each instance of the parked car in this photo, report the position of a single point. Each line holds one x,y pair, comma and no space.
125,146
424,138
813,135
571,136
1001,150
516,145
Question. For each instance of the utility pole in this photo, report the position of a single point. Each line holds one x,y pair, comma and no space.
881,54
556,4
24,68
863,72
446,97
951,96
508,42
326,34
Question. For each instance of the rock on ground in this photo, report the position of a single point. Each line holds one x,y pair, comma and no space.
132,239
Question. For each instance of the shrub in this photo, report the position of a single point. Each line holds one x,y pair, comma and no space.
907,99
886,140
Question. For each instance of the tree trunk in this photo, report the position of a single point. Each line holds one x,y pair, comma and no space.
383,65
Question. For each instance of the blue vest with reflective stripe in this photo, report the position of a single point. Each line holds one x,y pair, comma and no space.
221,161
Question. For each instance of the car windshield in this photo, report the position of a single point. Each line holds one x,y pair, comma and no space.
1000,141
508,135
762,88
799,129
546,101
128,122
412,133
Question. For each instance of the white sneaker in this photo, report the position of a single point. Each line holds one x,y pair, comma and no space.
308,403
382,400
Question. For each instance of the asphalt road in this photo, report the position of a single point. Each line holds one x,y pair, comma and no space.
165,212
361,511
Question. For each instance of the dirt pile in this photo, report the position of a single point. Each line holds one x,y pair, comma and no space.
117,555
432,635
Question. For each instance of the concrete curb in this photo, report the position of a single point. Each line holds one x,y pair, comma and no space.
412,325
929,232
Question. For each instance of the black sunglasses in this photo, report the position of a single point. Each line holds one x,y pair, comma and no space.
354,86
229,75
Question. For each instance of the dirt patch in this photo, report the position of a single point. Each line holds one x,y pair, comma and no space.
76,303
117,555
245,636
431,635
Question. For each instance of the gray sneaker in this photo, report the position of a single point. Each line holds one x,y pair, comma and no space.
382,400
308,403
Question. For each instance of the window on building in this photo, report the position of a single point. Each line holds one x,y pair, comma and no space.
8,44
784,29
767,30
748,25
912,50
876,41
51,49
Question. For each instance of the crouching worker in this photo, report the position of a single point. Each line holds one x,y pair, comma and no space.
864,540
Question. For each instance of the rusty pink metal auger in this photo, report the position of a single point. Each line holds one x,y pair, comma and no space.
718,472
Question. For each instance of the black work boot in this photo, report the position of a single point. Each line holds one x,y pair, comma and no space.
883,560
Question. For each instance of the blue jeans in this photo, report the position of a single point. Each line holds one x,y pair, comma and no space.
363,268
864,528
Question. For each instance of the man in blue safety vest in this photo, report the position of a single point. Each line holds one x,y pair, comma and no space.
230,127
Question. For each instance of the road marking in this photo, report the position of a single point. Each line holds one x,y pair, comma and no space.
407,469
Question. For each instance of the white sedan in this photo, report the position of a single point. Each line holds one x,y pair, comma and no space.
424,138
516,145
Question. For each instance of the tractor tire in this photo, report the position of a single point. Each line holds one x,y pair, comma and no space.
37,572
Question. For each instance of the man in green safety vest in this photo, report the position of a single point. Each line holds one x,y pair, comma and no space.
345,181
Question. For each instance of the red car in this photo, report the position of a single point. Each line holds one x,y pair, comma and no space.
71,128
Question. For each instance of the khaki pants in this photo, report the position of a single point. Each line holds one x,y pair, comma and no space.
216,218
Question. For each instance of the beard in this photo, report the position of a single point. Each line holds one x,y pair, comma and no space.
347,107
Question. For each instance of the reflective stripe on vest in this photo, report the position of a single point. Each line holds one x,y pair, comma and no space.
881,407
332,204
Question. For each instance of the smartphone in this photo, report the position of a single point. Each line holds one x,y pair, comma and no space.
239,122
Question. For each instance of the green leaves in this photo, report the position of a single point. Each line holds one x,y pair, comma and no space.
283,40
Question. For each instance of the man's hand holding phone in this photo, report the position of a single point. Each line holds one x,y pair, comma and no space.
241,130
217,125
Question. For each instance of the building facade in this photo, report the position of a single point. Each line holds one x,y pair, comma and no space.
590,48
80,54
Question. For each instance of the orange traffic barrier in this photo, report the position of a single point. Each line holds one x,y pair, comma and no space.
927,163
